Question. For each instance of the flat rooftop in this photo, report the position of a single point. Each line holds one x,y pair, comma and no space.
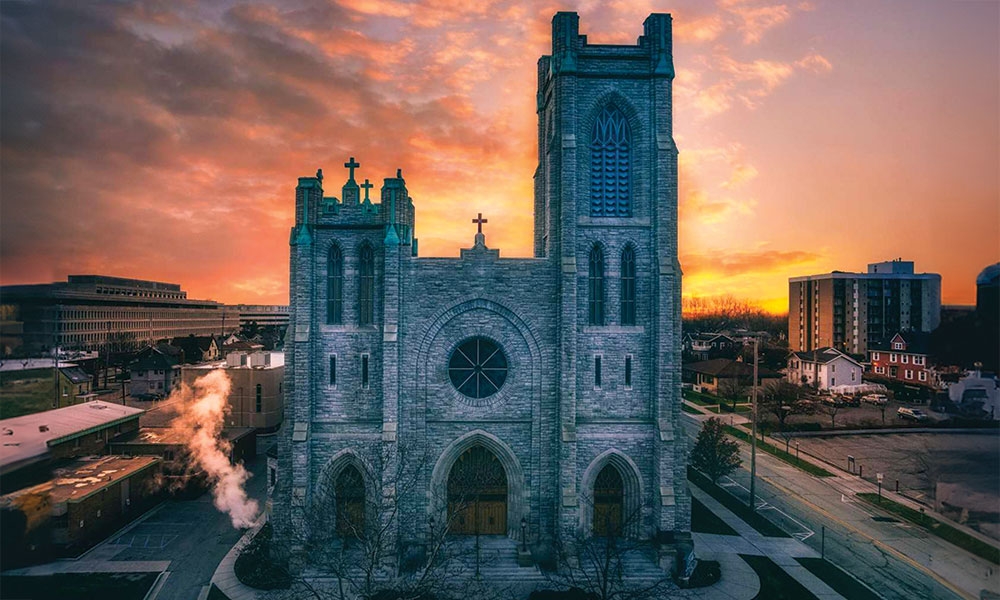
84,476
167,436
28,438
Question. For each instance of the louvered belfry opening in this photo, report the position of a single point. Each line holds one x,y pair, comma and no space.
610,165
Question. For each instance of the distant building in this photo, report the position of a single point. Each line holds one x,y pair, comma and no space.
96,312
197,348
30,444
709,375
988,294
256,393
83,502
976,394
824,368
156,373
904,357
852,311
703,346
171,446
262,314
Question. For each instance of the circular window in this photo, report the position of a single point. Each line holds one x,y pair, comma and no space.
478,368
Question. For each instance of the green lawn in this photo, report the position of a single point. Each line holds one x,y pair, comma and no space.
838,579
775,583
942,530
688,409
699,398
106,586
704,520
25,396
789,458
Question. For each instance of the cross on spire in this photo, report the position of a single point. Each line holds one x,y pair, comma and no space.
479,222
367,186
351,165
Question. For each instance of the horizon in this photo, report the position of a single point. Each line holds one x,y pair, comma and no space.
163,143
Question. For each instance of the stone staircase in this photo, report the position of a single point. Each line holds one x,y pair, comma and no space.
497,559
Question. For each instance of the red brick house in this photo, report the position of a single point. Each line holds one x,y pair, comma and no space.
903,357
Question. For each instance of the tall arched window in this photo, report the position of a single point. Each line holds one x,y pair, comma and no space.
628,286
595,286
366,286
609,166
335,286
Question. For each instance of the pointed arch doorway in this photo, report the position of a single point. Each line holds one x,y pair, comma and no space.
609,499
477,494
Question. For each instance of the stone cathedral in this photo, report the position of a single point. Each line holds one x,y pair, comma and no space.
555,378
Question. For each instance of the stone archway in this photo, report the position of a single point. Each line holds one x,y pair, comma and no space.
477,494
516,490
613,496
343,497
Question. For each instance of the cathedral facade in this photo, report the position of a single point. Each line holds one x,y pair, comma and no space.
555,380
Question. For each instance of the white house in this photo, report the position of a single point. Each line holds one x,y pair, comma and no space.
977,393
826,368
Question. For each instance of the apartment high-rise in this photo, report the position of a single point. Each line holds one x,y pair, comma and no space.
849,311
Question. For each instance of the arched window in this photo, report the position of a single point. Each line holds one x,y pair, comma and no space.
366,286
349,490
595,286
335,286
258,398
609,498
628,286
609,166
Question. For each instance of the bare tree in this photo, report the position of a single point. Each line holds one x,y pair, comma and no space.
734,389
782,399
831,408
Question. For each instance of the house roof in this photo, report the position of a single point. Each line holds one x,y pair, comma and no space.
76,480
193,346
727,368
27,438
916,342
823,356
75,375
155,360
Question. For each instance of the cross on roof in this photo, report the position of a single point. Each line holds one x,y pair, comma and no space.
367,186
351,165
479,222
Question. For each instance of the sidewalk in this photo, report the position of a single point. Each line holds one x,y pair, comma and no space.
225,574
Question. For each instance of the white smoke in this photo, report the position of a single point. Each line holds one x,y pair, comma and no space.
202,413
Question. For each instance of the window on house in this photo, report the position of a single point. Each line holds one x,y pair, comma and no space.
922,375
610,165
333,369
908,374
897,346
258,400
628,371
854,375
364,371
595,286
905,358
892,357
628,286
597,371
874,355
833,368
833,381
335,286
366,286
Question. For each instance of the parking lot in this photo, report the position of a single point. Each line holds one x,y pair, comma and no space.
948,471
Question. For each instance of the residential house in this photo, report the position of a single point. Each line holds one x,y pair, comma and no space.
709,375
196,349
155,374
903,357
826,369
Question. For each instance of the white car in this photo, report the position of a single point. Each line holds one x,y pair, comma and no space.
913,414
876,399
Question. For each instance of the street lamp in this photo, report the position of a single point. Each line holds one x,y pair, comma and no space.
796,451
524,539
878,476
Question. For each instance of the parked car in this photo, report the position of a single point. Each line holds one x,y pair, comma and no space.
834,401
851,400
913,414
876,399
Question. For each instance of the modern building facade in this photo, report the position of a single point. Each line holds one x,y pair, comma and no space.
97,312
264,315
851,311
256,392
546,375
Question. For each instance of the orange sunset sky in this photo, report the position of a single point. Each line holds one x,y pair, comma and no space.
162,140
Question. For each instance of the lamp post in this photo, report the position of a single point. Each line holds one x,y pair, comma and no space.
878,476
524,539
796,451
753,432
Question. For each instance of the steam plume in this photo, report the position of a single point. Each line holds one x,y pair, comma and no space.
203,409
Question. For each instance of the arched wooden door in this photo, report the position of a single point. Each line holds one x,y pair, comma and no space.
350,495
477,494
609,498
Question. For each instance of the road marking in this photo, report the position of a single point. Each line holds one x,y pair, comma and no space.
886,547
762,505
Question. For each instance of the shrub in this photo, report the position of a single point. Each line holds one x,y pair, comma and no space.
254,566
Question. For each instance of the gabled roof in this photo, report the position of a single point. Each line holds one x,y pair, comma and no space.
155,360
823,356
727,368
917,342
708,337
75,375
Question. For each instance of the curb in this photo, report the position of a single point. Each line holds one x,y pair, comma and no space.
225,578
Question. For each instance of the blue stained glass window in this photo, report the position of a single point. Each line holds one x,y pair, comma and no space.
609,167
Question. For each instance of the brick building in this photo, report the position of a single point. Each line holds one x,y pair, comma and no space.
903,357
546,373
852,311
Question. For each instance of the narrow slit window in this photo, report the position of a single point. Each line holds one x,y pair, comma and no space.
597,371
333,369
364,371
628,371
258,398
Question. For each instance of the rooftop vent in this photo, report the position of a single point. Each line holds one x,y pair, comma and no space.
43,428
98,406
6,431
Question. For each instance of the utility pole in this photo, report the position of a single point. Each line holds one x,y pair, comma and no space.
753,431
